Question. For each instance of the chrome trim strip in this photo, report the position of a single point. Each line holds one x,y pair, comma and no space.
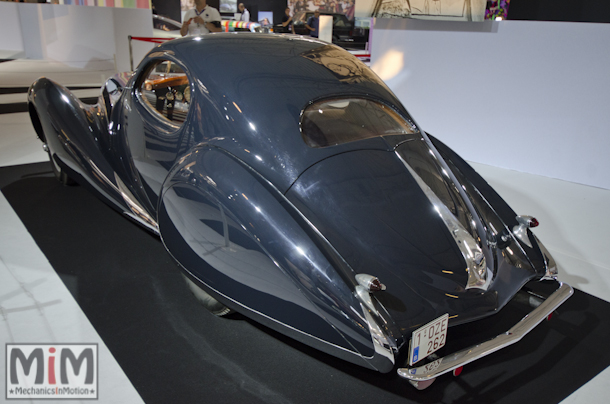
551,271
481,229
137,211
384,346
515,334
479,274
150,226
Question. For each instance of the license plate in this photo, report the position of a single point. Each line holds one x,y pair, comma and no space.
428,339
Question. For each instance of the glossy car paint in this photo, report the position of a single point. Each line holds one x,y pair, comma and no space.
278,230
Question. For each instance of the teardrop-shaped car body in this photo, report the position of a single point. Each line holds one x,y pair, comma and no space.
282,174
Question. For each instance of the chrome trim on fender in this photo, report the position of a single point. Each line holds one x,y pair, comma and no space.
480,227
515,334
479,273
383,360
551,270
385,346
138,212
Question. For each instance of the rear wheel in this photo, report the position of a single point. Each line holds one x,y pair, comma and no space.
60,174
211,304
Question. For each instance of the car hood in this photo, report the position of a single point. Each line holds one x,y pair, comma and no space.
395,215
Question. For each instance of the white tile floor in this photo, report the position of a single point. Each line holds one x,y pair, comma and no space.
573,226
35,306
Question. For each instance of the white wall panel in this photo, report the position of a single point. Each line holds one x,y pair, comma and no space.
11,42
75,34
134,22
524,95
79,36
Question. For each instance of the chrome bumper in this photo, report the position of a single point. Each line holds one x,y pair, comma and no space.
465,356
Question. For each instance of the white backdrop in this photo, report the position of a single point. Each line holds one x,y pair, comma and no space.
80,36
11,42
525,95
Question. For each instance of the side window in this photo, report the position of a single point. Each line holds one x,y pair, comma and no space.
164,25
165,91
161,67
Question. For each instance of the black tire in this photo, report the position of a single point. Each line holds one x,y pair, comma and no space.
60,174
207,301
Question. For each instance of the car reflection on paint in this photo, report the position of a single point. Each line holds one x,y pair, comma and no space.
346,33
164,27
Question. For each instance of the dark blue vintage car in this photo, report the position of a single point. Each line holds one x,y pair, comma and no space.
293,187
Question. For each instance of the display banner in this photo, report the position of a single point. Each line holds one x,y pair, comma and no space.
449,10
108,3
346,7
457,10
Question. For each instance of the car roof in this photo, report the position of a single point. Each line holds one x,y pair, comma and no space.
252,89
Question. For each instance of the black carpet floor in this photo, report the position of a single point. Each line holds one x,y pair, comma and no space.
173,351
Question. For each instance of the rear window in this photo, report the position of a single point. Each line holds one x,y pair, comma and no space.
332,122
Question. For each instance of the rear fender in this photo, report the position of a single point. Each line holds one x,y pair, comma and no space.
249,247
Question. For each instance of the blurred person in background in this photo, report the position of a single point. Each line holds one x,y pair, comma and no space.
287,21
202,19
245,14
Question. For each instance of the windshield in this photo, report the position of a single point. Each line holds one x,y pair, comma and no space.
332,122
165,25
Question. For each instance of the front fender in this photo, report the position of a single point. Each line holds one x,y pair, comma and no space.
76,133
250,248
78,139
